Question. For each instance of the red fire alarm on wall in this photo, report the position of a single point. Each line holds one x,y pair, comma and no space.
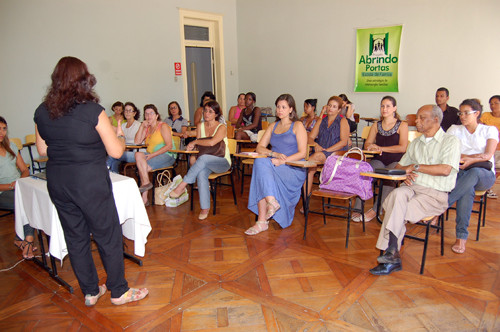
178,70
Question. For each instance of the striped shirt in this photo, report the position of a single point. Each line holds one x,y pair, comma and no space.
440,149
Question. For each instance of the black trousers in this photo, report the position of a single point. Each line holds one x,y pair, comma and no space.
84,201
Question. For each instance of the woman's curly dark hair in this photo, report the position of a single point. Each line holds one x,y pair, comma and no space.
72,84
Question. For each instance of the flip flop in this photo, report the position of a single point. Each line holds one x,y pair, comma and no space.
457,249
132,295
91,300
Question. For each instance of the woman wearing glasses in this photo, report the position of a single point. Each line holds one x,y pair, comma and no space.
477,167
130,128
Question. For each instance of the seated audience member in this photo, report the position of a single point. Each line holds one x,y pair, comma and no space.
250,121
130,128
206,164
235,111
309,118
117,114
450,116
177,122
330,134
198,114
275,187
390,137
158,138
478,146
348,112
493,119
431,164
13,168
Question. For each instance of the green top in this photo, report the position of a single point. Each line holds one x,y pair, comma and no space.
8,165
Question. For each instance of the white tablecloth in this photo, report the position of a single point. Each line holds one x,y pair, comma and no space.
34,207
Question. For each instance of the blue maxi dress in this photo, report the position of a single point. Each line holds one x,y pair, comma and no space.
283,182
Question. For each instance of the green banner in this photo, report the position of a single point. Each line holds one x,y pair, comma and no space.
377,58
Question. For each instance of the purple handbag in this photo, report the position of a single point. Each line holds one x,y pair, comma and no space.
341,173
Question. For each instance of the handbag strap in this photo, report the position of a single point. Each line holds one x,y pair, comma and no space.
338,162
160,176
354,150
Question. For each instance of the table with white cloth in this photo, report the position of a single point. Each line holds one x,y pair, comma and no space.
33,206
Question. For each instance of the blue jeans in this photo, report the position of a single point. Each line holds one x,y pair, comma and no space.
463,194
202,168
114,163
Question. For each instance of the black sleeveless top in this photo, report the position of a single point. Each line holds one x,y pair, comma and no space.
388,138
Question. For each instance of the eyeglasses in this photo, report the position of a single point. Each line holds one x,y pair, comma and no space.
129,111
466,113
173,108
209,110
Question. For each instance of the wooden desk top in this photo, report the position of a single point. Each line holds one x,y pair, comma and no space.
384,176
302,163
184,151
253,155
133,146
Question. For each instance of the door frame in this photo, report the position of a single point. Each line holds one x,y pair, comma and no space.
216,42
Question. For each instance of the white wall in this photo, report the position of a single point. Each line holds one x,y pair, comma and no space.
307,48
129,45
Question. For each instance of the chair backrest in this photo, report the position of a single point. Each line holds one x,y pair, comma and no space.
230,131
265,124
176,140
411,119
17,142
260,134
231,144
31,138
365,132
412,134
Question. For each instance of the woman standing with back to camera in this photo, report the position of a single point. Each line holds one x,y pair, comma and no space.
76,133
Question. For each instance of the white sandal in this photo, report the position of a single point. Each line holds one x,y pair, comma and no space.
259,226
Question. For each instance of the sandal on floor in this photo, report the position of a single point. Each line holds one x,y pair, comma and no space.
26,255
491,194
459,248
272,207
358,217
132,295
259,226
23,244
91,300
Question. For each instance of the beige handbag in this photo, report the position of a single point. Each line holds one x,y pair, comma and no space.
164,183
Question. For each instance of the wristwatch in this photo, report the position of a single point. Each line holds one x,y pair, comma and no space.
416,167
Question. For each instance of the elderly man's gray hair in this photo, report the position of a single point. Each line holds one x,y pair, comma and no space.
437,113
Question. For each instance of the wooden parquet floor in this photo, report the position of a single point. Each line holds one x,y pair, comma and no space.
210,276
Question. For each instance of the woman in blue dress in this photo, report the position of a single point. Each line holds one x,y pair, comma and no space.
275,187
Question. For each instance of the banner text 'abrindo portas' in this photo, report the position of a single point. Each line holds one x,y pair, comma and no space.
377,59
